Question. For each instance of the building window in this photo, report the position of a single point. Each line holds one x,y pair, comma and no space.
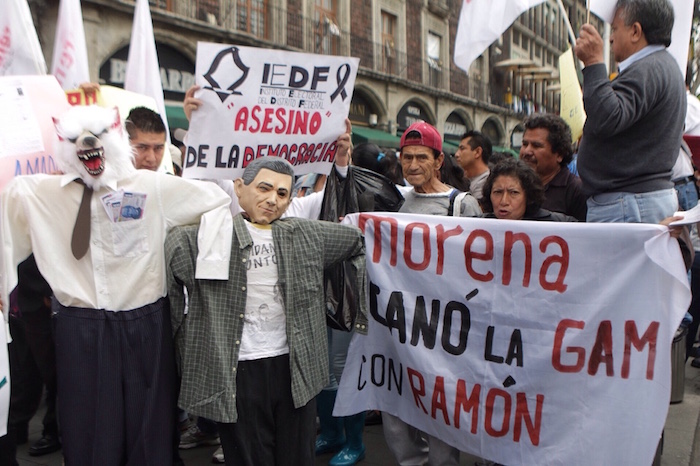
252,17
434,44
516,37
162,4
327,32
388,43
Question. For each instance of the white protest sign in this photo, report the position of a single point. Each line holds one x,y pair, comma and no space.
259,102
27,133
521,342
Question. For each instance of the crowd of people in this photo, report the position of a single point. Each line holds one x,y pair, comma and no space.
234,346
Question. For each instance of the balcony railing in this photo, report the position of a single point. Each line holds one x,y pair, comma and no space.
280,25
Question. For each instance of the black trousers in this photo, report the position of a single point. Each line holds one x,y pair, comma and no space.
32,366
34,359
116,385
269,431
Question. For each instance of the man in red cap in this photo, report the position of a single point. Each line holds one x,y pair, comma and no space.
421,159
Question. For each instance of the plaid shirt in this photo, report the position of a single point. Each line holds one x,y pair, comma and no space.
208,337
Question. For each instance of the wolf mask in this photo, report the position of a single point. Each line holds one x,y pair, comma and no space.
92,145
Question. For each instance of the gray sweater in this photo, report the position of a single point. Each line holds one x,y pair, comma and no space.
634,126
438,204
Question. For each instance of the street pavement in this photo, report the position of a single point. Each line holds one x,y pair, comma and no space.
681,438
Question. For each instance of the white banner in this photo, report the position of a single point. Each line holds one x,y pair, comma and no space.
481,22
20,52
70,60
259,102
521,342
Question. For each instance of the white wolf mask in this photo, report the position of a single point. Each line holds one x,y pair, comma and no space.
93,145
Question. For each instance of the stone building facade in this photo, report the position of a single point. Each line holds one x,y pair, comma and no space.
405,49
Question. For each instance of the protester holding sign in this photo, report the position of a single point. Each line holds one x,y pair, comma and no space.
348,189
632,135
421,160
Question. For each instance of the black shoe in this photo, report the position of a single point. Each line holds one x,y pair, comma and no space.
48,443
695,363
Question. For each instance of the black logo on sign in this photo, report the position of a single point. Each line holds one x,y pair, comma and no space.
226,68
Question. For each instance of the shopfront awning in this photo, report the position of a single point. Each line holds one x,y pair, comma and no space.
176,117
362,134
450,147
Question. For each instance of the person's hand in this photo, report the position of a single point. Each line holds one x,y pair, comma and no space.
344,146
191,103
675,231
89,88
589,46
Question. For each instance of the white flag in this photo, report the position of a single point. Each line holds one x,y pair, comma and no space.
142,69
481,22
70,61
20,52
680,36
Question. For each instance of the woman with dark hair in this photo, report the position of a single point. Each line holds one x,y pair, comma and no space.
513,191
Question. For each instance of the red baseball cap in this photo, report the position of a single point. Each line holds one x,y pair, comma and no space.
429,136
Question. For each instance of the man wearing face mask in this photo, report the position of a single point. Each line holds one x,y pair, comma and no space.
254,348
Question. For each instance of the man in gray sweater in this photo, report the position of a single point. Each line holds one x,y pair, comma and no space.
633,132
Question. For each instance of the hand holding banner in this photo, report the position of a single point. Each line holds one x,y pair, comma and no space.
258,102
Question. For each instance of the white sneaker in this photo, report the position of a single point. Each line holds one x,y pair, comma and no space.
218,456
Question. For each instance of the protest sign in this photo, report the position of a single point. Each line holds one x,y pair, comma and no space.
571,97
521,342
27,131
258,102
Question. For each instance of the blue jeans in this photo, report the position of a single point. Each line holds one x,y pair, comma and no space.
338,343
687,195
617,207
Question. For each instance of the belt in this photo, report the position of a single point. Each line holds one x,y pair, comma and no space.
684,180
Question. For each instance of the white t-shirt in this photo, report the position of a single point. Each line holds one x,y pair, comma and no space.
264,324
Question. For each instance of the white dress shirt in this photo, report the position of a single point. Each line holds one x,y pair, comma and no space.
124,267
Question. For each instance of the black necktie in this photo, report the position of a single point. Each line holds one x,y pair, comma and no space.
81,231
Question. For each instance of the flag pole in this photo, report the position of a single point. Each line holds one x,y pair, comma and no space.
572,35
588,11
